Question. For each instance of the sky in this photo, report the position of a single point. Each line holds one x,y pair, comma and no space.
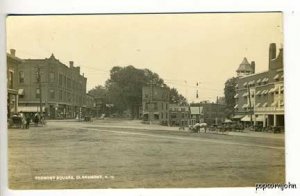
184,49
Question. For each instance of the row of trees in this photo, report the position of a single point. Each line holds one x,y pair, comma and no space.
124,88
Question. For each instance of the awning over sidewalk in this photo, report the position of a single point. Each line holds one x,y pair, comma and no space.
259,118
30,109
236,117
246,118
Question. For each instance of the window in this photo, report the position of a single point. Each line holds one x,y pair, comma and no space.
52,94
51,77
146,106
37,93
60,79
64,81
21,76
60,95
11,80
38,76
155,106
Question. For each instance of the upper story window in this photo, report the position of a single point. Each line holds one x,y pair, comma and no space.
60,79
37,93
52,94
51,77
11,79
21,76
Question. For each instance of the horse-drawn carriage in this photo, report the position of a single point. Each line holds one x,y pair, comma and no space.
197,127
18,121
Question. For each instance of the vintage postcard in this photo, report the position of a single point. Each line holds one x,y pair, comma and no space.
186,100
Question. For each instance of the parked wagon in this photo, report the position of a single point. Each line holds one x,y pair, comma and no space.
18,121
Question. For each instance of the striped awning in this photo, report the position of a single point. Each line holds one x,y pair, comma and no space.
274,103
276,77
246,105
21,91
246,118
245,94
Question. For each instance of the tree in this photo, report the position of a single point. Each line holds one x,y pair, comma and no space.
124,88
98,91
176,98
229,92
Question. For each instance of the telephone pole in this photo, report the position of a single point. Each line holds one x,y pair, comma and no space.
40,88
250,105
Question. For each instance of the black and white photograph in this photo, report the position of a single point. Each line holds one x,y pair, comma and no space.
157,100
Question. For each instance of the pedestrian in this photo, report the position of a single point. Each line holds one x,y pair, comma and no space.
28,119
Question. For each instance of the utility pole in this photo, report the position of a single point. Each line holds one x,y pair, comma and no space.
217,113
151,103
250,105
40,88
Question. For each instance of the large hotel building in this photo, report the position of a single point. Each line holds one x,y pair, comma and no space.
260,96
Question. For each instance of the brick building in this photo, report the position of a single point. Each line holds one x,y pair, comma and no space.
155,103
179,115
210,113
260,96
12,82
63,88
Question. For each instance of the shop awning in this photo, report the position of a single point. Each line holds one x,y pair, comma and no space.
258,92
246,118
236,106
236,96
237,117
30,108
265,104
258,81
257,105
245,84
259,118
21,91
274,103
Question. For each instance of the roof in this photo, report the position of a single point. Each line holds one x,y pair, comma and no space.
245,66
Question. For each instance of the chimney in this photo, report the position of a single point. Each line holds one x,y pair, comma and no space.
71,63
13,52
272,53
253,66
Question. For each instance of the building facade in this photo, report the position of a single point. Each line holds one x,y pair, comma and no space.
210,113
179,115
12,83
260,96
62,88
155,103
